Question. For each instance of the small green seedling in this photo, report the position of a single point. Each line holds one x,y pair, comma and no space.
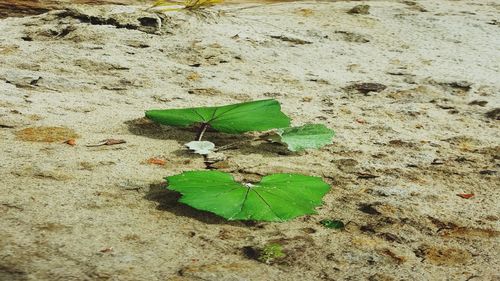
244,117
277,197
333,224
271,252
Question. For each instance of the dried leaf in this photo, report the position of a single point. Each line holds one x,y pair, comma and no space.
107,142
156,161
113,141
106,250
71,142
466,195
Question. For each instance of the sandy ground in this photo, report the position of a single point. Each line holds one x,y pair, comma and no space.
400,157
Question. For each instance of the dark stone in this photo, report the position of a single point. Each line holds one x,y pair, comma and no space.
251,253
366,88
493,114
462,85
368,209
147,21
360,9
478,102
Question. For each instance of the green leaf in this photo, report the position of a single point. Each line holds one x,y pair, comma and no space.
278,197
307,136
233,119
333,224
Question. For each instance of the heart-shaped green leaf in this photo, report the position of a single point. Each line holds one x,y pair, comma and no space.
307,136
277,197
233,119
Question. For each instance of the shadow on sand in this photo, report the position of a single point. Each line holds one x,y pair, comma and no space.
168,201
244,143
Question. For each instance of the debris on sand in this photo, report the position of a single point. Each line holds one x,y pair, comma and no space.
360,10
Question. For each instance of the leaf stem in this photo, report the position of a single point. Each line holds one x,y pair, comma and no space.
201,131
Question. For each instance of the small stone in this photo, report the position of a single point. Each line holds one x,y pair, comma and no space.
368,209
462,85
478,102
493,114
353,37
412,5
220,165
360,9
213,157
437,162
206,92
366,88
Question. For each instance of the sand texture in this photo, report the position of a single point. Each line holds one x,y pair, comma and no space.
411,89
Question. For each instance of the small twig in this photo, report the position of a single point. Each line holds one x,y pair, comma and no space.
7,126
12,206
107,142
